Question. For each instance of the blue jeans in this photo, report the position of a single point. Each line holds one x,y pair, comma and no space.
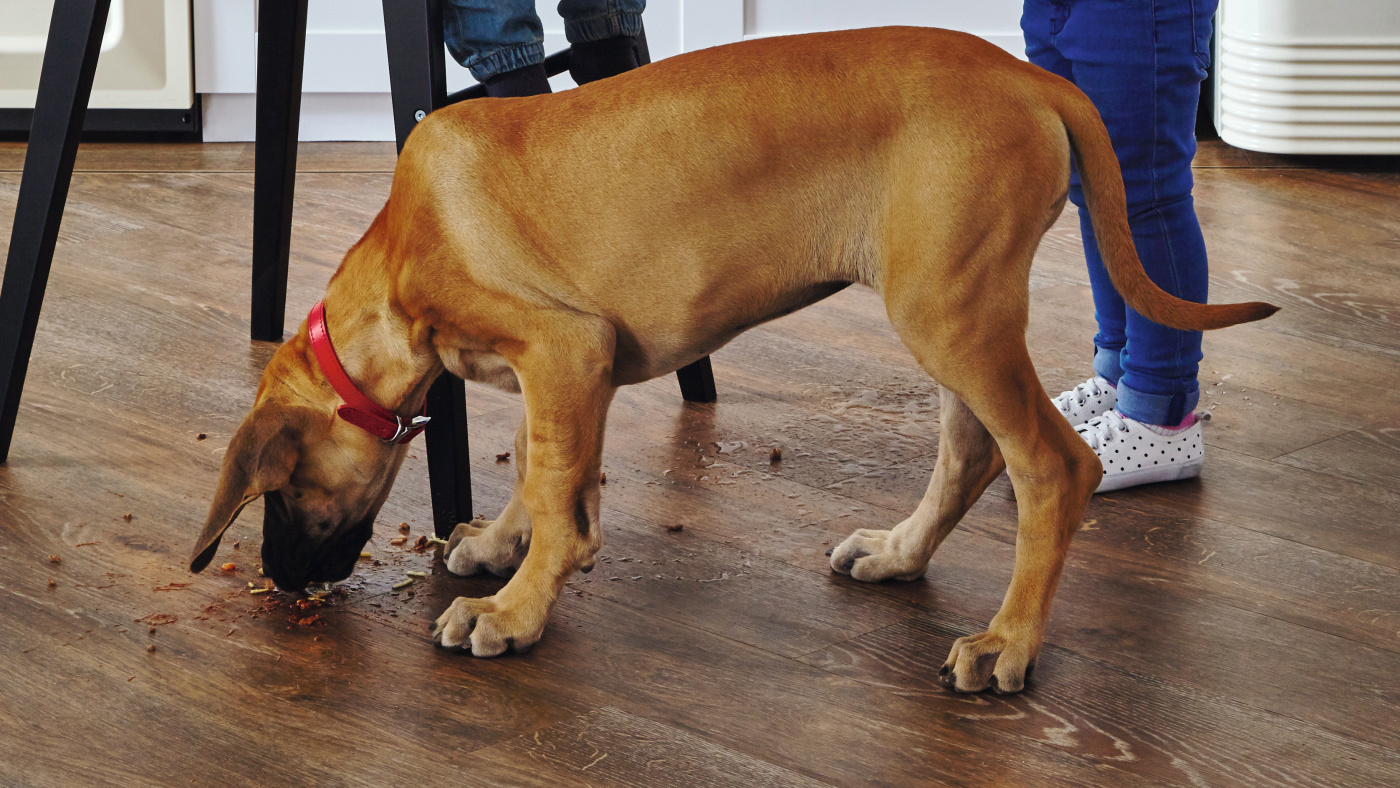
1141,62
492,37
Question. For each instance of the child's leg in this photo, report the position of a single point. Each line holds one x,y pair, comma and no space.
1141,63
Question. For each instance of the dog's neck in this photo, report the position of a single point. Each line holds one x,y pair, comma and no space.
380,348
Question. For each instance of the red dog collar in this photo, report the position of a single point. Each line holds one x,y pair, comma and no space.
358,409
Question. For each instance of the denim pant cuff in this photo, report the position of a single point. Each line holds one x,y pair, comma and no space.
1106,364
1163,410
506,59
597,28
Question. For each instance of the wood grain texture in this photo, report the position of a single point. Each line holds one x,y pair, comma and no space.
1240,629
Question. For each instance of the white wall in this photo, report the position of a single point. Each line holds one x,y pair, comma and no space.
346,79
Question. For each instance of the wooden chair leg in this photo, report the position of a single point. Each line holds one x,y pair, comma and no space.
281,46
65,83
418,79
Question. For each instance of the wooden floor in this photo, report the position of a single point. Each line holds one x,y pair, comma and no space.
1242,629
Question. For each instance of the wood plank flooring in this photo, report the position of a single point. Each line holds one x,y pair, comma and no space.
1240,629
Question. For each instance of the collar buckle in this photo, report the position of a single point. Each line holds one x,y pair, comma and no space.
406,430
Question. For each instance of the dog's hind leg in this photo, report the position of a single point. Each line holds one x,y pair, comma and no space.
496,546
1053,473
968,460
565,371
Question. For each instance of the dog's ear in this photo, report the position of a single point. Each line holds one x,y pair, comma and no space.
260,457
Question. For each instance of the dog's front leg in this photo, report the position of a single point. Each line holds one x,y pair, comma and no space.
567,387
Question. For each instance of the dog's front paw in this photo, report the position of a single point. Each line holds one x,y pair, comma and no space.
988,660
485,628
485,545
872,556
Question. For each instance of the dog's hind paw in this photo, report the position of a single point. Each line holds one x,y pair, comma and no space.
483,628
871,556
987,661
486,545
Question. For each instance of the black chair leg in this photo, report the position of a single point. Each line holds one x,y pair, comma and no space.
697,379
281,46
65,83
418,79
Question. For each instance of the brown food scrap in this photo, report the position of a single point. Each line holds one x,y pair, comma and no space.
675,527
53,583
171,587
156,619
127,517
503,457
602,478
235,544
421,544
151,631
86,544
230,567
151,647
201,436
398,540
53,559
309,620
776,455
403,527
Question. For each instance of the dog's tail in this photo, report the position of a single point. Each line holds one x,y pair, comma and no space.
1108,211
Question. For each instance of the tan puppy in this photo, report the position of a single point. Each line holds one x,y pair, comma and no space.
573,243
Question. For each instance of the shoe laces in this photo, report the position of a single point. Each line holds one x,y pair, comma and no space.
1080,394
1102,430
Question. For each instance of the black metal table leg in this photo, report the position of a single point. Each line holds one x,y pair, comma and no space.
281,46
65,83
418,79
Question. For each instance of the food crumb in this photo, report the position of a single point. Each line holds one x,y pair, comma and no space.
229,567
53,583
403,527
421,543
365,555
151,631
398,540
675,527
776,455
416,574
602,478
503,457
201,436
127,517
151,647
408,581
53,559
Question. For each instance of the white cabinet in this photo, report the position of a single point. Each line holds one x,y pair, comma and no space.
346,76
144,64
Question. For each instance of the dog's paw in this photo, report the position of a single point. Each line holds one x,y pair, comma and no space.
484,628
872,556
987,661
484,546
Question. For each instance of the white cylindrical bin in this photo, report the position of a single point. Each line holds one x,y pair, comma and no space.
1304,76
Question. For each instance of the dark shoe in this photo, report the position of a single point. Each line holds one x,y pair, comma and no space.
527,81
591,61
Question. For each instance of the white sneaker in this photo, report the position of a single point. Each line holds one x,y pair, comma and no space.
1135,453
1094,397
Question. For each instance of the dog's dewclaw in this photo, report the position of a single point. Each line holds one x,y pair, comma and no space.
404,583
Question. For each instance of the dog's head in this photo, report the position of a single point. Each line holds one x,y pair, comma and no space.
322,479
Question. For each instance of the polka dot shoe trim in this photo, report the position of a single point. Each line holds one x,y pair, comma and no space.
1132,454
1092,398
